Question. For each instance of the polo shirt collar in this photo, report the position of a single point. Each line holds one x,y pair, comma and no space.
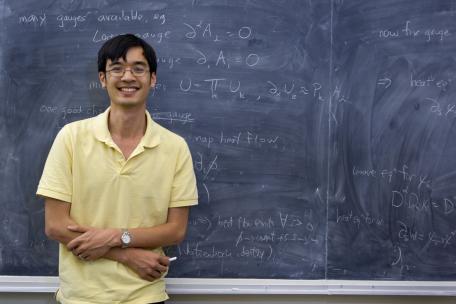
150,139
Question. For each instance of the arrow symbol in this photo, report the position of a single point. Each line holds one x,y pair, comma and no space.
385,81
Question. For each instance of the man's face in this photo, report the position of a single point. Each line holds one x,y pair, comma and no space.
124,87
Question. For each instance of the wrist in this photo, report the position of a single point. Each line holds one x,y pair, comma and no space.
125,238
123,256
116,238
119,255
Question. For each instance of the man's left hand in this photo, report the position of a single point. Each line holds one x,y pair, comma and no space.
93,243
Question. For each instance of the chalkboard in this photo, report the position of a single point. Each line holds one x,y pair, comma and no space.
322,132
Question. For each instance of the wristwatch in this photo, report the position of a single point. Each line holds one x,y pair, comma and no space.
125,238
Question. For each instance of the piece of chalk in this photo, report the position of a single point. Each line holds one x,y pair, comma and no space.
172,259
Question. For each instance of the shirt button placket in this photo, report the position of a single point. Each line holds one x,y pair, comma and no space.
121,165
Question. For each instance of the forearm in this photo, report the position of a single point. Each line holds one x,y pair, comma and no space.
94,243
148,264
60,226
159,236
64,235
117,254
58,230
150,237
170,233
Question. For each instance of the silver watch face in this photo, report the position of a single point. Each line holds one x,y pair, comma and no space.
126,238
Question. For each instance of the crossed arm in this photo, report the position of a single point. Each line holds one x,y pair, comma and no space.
91,243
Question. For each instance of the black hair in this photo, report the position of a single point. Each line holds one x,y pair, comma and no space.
118,46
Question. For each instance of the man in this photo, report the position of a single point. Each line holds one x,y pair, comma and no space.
117,188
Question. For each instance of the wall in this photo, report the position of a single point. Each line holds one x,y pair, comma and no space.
31,298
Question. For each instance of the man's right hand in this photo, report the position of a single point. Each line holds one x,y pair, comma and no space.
147,264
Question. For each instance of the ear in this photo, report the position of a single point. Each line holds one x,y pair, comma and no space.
102,77
153,80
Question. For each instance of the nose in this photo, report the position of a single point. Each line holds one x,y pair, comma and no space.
127,74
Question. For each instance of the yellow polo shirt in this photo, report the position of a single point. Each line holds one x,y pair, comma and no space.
87,169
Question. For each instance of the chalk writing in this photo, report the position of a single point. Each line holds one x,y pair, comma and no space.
205,140
257,223
158,88
225,61
225,223
35,19
428,81
94,85
205,166
363,172
198,251
387,33
49,109
244,138
357,220
129,16
171,117
255,235
440,110
200,220
213,84
71,110
385,81
169,61
292,90
67,111
156,37
203,30
273,237
258,140
388,175
70,20
399,260
407,233
230,139
279,220
280,92
421,203
91,110
253,252
411,32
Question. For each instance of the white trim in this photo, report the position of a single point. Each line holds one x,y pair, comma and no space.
259,286
311,287
28,284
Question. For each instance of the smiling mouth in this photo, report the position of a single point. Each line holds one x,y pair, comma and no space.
128,90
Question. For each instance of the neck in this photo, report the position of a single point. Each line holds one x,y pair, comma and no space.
127,122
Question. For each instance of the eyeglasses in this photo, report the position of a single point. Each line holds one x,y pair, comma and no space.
136,70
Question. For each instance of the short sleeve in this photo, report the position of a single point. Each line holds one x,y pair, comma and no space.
57,178
184,191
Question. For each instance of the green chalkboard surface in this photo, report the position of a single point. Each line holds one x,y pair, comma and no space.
322,132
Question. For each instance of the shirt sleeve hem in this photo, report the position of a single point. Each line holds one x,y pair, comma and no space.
190,202
54,194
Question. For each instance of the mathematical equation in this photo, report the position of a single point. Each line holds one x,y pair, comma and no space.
252,237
